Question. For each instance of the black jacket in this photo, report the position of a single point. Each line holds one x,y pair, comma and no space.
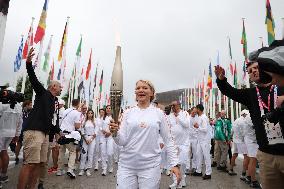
248,97
40,118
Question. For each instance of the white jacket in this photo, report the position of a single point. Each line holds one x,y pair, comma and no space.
139,137
179,127
10,120
204,129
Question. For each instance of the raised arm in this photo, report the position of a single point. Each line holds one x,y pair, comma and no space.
36,85
239,95
121,137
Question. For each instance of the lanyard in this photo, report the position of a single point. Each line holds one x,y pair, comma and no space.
262,104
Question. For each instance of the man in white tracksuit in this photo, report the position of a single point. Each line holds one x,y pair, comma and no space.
203,143
179,127
192,134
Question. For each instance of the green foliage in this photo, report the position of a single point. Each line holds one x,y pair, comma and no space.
28,88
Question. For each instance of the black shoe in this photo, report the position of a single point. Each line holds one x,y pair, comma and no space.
248,180
197,174
232,173
17,161
71,174
220,168
206,177
214,164
40,186
243,177
255,184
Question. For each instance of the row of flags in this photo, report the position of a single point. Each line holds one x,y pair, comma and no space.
77,81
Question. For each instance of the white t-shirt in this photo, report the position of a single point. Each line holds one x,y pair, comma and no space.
70,117
249,132
238,130
180,127
139,137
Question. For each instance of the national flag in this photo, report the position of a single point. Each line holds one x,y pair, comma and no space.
232,69
231,58
244,41
29,41
40,31
89,66
18,61
244,70
63,42
269,21
79,48
101,84
209,81
62,52
46,55
95,78
235,76
51,73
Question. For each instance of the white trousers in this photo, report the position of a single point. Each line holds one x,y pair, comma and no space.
141,178
203,151
106,147
116,151
97,153
164,159
192,163
183,158
89,152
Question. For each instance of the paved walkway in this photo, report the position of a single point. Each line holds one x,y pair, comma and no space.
219,180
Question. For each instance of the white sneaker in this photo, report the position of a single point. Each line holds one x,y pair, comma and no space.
168,172
110,170
71,174
104,172
96,166
60,172
183,182
81,173
88,173
173,186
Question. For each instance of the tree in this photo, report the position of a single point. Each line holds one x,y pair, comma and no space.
28,93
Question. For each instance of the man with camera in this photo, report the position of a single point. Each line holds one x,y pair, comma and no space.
71,122
37,127
10,129
260,100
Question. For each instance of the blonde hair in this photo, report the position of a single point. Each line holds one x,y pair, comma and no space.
152,88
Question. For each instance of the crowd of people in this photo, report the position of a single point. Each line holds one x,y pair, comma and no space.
147,141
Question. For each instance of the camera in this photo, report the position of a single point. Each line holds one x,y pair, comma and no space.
10,97
275,115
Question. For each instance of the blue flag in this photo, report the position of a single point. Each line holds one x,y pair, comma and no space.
18,61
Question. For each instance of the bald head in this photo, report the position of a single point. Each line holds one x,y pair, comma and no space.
55,88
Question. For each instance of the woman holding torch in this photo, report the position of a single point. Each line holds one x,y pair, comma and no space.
138,135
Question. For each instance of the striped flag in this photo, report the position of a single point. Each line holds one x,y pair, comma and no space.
18,61
235,76
40,31
231,58
51,73
209,81
47,55
62,52
269,21
63,42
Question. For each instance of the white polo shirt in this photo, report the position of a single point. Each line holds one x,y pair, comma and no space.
70,117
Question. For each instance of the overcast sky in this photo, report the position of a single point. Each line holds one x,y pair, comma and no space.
168,42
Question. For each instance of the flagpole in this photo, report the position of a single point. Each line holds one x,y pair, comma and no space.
282,28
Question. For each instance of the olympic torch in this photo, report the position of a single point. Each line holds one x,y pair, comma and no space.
116,87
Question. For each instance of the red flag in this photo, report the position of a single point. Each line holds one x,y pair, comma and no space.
29,42
89,66
40,31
